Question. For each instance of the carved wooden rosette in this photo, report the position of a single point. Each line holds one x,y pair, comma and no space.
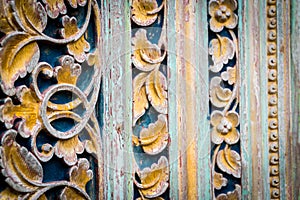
273,99
47,112
150,99
224,99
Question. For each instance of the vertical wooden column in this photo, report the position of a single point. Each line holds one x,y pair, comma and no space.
117,100
189,100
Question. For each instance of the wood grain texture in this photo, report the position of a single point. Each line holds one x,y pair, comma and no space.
117,100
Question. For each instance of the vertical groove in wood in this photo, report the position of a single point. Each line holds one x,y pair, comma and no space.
117,101
202,78
285,114
172,94
188,97
254,101
294,136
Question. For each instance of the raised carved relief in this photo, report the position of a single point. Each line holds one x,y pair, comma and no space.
224,86
149,95
273,99
48,111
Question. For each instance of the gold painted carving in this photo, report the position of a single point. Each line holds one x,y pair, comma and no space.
273,99
30,110
149,92
224,86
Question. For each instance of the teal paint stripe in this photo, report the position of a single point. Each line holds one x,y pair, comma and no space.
283,82
295,96
202,88
105,85
245,121
264,100
128,154
172,91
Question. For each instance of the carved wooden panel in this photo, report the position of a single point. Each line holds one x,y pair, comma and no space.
149,99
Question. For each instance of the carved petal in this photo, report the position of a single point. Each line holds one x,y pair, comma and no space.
68,149
219,96
22,170
229,161
78,47
146,56
154,179
80,175
54,7
74,3
219,180
142,12
17,56
233,195
68,72
28,111
140,102
156,86
154,139
221,50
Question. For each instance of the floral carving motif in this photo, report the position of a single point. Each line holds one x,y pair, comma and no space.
42,101
224,127
150,93
222,14
224,96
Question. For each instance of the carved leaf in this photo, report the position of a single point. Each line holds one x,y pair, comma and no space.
233,195
229,161
144,12
219,180
140,101
28,111
154,139
17,56
32,15
78,47
146,56
156,86
6,18
8,193
54,7
154,180
22,170
219,96
221,50
80,175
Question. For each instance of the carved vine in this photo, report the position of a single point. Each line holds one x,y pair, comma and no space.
224,87
30,110
150,90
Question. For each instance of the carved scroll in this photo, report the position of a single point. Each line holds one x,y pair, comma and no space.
150,99
48,49
273,99
224,99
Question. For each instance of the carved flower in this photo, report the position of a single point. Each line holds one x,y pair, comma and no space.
229,75
68,149
78,47
224,127
222,14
